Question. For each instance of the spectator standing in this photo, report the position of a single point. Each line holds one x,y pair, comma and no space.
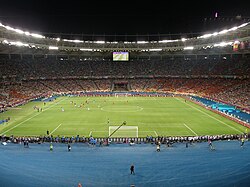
132,169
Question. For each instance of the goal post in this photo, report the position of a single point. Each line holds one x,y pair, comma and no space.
124,131
121,94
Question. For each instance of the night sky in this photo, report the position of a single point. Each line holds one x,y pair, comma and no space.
119,17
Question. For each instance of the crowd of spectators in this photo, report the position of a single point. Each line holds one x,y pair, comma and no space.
169,140
47,68
223,79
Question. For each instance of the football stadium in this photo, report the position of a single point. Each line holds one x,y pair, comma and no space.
82,109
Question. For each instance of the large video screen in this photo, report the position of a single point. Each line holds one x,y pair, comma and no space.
120,56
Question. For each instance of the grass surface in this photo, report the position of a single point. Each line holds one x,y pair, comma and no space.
170,116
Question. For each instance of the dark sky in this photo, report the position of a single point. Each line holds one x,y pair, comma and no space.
118,17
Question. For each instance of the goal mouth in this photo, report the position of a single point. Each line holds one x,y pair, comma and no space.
125,94
124,131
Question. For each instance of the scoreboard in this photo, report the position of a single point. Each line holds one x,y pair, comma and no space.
120,56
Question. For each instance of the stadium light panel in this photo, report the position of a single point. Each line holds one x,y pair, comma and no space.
37,35
155,49
215,33
19,31
222,44
188,48
53,48
74,41
223,32
86,49
19,44
168,41
100,42
142,42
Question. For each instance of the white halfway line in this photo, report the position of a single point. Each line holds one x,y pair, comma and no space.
155,133
31,117
55,129
190,129
209,115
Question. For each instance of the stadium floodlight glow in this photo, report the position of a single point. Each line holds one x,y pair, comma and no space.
188,48
74,41
215,33
27,33
113,42
168,41
222,44
223,31
205,36
233,29
155,49
183,39
142,42
5,42
243,25
19,31
37,35
53,48
19,44
100,42
86,49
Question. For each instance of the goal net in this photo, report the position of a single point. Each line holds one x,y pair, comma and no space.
121,94
124,131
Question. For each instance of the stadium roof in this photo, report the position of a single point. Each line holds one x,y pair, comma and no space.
122,17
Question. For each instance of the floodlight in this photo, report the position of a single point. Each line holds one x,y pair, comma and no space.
53,48
155,49
142,42
188,48
85,49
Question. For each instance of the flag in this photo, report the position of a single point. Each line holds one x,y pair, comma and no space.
235,46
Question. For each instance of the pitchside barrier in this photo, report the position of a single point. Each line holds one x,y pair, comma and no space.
136,140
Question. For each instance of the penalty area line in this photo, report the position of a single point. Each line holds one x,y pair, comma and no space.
155,133
55,129
190,129
209,115
31,117
90,133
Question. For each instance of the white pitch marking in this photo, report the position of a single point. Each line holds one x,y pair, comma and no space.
190,129
155,133
31,117
209,115
90,133
55,129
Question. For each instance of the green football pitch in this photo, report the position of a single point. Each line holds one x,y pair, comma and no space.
85,116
